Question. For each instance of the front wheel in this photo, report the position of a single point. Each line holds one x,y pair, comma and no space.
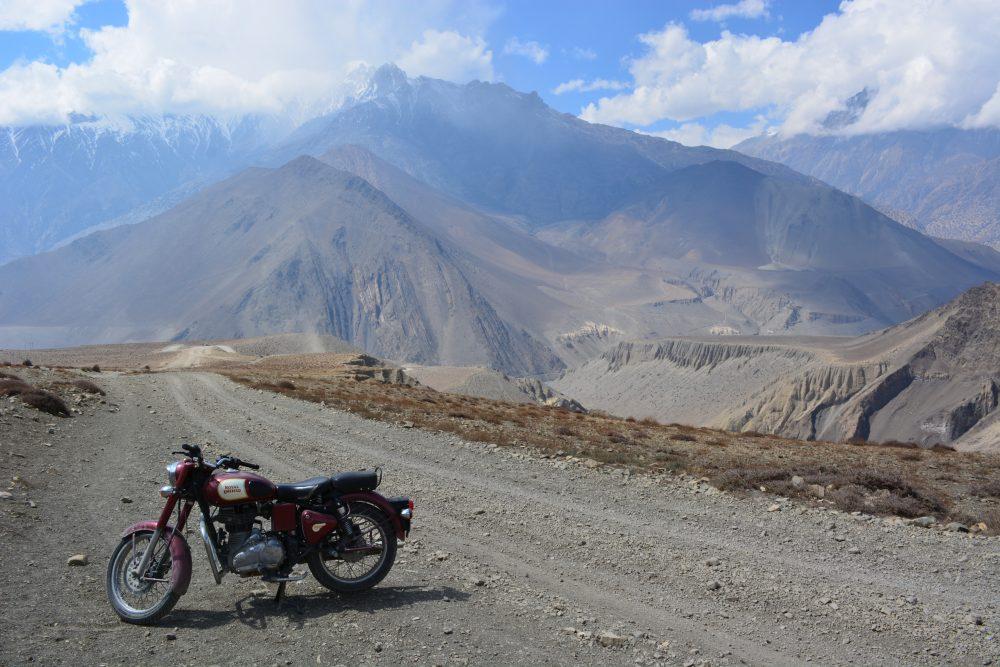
142,600
354,563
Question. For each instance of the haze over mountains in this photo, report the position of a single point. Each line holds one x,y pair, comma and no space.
472,224
58,182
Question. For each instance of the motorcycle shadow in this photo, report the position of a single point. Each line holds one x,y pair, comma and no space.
255,611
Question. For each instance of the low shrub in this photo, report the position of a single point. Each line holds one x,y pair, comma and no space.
46,402
88,387
991,517
285,384
988,489
893,503
897,444
95,368
14,387
27,363
850,498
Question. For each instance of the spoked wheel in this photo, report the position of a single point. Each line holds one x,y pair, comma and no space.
351,564
135,598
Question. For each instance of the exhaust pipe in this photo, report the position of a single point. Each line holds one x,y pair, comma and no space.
213,556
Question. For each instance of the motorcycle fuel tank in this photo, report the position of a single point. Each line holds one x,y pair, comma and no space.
233,488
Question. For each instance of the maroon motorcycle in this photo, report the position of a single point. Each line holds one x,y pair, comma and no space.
338,525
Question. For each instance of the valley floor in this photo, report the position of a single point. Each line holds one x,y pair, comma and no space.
509,551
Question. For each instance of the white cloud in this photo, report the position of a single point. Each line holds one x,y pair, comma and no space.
929,63
47,15
988,115
187,56
581,53
745,9
581,86
449,55
720,136
530,50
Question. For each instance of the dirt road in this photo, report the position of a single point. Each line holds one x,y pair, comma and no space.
514,559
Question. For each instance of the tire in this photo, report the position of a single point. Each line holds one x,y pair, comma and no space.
120,558
373,518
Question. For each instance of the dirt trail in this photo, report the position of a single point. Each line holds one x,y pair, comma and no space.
509,550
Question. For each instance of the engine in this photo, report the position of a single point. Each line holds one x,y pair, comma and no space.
249,550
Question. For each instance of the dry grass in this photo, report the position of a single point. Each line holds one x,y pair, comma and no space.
891,478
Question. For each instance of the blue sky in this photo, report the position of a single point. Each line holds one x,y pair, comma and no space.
65,47
705,72
608,30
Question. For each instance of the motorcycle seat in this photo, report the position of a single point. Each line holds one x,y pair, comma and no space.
345,482
304,490
349,482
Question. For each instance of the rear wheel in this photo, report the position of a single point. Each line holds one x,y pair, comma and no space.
355,563
142,600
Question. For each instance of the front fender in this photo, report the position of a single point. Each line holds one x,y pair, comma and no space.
180,554
380,502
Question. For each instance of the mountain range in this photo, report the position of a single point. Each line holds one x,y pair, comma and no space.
471,224
943,181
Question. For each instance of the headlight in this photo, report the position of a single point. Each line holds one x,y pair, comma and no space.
172,473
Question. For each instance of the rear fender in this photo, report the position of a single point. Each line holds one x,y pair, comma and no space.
180,554
380,502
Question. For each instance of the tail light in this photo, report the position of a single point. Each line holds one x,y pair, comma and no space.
408,512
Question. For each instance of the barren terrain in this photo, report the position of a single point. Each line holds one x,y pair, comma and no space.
515,558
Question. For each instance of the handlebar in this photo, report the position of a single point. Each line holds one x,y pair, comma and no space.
228,461
224,461
191,451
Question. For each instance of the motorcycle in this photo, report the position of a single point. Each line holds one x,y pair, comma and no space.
339,526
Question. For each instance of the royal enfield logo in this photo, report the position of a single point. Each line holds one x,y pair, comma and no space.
318,527
233,489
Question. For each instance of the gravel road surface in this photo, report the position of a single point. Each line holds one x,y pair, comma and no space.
514,559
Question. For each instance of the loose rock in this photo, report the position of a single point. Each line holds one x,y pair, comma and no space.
610,640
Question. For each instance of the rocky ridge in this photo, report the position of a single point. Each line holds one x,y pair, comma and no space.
932,380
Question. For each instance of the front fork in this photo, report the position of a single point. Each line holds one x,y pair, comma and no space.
161,525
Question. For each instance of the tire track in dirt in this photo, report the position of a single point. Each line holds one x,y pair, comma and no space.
903,582
440,461
596,594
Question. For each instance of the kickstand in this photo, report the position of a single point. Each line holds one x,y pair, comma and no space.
280,595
